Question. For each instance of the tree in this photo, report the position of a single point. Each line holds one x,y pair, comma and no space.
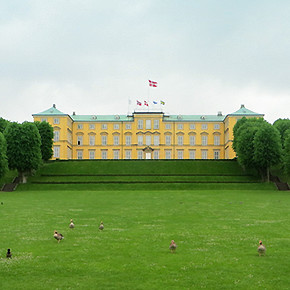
3,124
46,134
267,149
287,152
282,125
235,131
23,148
244,138
3,156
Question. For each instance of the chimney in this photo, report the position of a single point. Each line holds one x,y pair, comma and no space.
54,106
242,106
74,113
219,113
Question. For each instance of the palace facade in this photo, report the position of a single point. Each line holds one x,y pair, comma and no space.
143,135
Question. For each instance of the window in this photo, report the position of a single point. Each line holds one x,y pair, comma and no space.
56,136
192,126
204,126
104,126
140,140
128,126
204,140
56,121
180,140
148,124
92,126
116,140
139,154
167,140
140,124
180,126
156,154
216,139
156,124
128,154
148,140
104,140
191,154
168,126
80,140
216,126
179,154
156,140
92,154
43,119
80,154
167,154
191,140
216,154
116,154
92,140
104,154
128,140
56,151
116,126
203,154
80,126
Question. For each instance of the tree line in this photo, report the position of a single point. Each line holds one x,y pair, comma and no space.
260,145
24,147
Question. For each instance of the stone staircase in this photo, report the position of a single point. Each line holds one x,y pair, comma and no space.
8,187
279,184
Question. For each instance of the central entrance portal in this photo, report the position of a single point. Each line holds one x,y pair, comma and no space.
148,152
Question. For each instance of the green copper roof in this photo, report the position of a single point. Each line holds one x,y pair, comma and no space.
194,118
101,118
52,111
243,111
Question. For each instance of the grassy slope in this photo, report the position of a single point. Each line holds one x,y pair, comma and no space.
216,231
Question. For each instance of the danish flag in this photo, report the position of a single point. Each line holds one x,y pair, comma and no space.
152,84
139,103
146,104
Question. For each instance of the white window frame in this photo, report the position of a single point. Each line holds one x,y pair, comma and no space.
180,126
148,124
168,140
56,151
139,154
104,154
192,154
156,141
92,154
116,154
203,154
148,140
140,125
116,140
80,140
156,124
92,140
156,154
128,140
192,140
56,136
192,126
167,126
79,154
216,126
116,126
56,121
128,154
128,126
180,140
217,140
80,126
204,126
104,126
168,154
92,126
104,140
204,140
179,154
140,140
216,154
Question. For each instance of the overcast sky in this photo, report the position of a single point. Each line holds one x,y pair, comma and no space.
92,56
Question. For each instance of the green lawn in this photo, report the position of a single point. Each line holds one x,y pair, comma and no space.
217,233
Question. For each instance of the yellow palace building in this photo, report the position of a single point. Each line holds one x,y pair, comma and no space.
143,135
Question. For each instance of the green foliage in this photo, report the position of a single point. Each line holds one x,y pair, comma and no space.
282,125
3,156
217,233
287,152
239,123
46,134
23,147
3,124
267,148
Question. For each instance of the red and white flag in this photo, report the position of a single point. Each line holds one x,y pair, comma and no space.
152,84
146,104
139,103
